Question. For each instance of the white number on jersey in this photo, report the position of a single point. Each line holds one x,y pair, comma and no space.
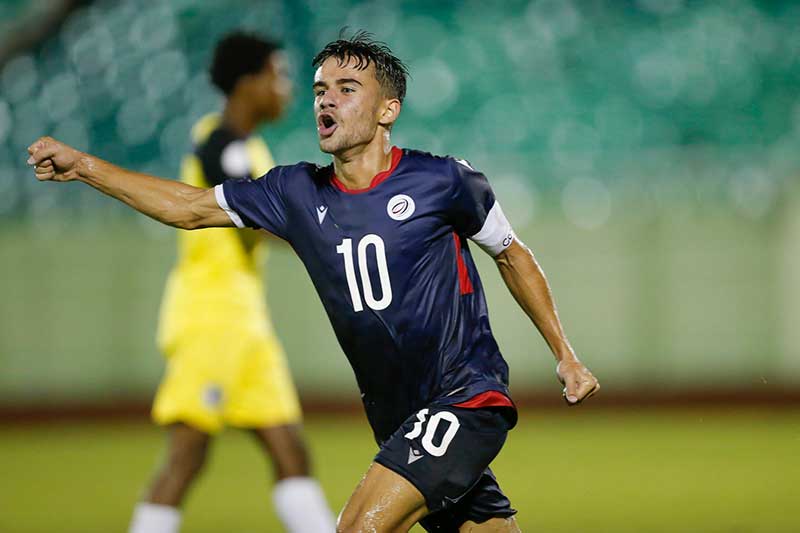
346,249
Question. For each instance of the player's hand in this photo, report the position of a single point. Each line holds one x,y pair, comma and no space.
53,160
578,382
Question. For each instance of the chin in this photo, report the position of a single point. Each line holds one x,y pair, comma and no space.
325,147
329,146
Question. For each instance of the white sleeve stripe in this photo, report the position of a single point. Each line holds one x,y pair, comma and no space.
496,234
219,194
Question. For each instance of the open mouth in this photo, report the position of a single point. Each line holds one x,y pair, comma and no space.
326,125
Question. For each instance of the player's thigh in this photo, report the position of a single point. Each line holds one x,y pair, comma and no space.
382,502
187,447
493,525
286,447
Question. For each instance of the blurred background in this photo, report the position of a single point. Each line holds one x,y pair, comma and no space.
647,151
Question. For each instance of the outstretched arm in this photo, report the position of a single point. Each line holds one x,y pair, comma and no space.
167,201
526,281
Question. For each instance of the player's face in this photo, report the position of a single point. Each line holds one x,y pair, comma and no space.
347,105
272,87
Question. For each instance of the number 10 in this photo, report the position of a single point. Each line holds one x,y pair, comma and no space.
346,249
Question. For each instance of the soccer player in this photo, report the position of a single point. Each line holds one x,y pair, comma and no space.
225,365
383,234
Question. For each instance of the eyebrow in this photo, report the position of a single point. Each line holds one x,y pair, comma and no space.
340,81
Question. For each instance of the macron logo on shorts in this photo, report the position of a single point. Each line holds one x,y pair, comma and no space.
414,455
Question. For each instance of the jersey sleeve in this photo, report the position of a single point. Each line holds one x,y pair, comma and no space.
476,212
255,203
224,157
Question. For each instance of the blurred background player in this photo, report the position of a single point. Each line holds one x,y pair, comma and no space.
225,365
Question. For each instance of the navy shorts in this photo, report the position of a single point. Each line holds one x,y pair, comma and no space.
445,451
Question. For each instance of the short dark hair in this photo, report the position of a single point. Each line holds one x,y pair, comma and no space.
389,70
239,54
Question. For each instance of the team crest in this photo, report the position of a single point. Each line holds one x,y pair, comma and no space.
400,207
212,396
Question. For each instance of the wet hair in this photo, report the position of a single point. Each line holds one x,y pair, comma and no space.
364,49
239,54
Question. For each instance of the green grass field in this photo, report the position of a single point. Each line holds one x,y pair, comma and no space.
566,471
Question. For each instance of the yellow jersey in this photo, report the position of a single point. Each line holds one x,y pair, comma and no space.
217,281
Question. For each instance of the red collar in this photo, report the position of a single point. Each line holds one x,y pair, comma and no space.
379,178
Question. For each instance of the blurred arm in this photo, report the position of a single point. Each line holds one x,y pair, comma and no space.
527,283
167,201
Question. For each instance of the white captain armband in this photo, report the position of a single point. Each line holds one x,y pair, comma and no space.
496,234
219,194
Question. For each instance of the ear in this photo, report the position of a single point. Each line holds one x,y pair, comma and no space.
389,112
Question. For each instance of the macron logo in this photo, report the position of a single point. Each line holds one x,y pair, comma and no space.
322,210
465,163
414,455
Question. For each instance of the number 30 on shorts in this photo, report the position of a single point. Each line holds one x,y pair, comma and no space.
437,450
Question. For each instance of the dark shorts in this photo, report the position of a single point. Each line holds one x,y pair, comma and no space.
445,451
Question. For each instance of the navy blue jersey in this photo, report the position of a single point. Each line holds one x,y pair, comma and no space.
394,272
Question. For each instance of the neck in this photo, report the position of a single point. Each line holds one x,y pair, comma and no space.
238,117
357,166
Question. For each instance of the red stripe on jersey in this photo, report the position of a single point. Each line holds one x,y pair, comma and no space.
463,276
379,178
490,398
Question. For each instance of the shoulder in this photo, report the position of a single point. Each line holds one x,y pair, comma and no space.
428,160
437,168
222,148
453,171
301,170
209,134
299,176
444,163
204,127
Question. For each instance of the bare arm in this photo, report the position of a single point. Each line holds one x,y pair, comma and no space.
527,283
167,201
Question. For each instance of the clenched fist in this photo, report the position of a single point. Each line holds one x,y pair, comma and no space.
578,382
53,160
